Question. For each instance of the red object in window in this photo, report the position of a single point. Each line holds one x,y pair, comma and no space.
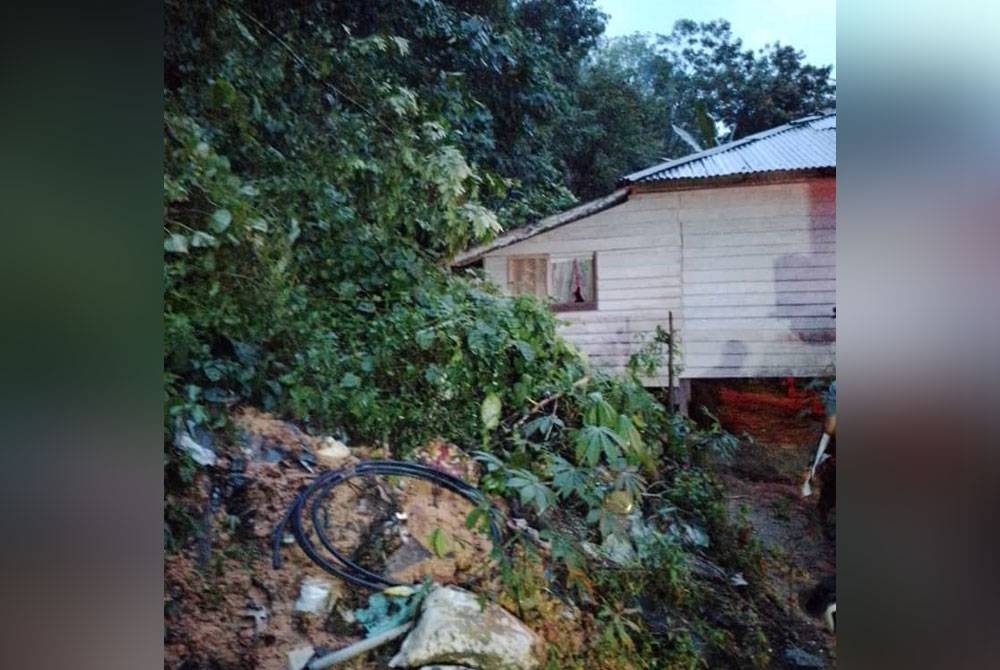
576,285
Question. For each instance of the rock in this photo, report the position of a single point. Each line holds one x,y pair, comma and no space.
314,596
617,550
706,569
408,555
332,454
738,580
297,658
690,534
803,659
455,629
201,454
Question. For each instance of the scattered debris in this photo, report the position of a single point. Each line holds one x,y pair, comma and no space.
690,534
314,596
738,580
618,550
455,627
359,648
436,506
448,458
184,440
297,658
706,569
520,525
386,611
332,454
259,616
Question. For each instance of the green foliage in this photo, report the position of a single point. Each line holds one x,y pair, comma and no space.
314,182
653,354
635,89
322,164
438,542
715,440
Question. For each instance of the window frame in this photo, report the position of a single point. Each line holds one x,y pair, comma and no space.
589,306
511,284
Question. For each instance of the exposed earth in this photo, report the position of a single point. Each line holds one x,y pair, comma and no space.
780,427
226,607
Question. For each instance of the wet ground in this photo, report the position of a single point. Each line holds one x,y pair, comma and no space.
763,484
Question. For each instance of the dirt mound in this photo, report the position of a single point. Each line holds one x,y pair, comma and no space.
226,606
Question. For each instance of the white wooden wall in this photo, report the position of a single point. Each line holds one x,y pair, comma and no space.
638,247
759,280
752,291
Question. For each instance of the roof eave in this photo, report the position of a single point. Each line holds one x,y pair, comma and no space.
541,226
761,177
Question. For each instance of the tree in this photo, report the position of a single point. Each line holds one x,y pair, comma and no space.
743,91
635,90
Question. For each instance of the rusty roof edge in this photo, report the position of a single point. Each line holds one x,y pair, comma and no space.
541,226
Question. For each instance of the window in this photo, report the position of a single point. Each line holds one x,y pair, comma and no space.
570,281
528,274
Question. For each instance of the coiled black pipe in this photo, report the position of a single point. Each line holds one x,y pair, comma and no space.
320,490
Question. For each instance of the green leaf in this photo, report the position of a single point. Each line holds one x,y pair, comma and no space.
438,542
350,381
244,32
526,350
425,338
478,519
592,441
213,373
489,412
202,239
221,219
176,243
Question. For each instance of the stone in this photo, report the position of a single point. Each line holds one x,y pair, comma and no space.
297,658
617,550
454,628
332,454
200,451
314,596
803,659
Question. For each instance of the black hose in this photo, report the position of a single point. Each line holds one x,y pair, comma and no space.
320,490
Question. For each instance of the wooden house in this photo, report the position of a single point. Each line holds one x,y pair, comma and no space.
737,242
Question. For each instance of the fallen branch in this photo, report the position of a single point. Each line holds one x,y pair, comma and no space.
542,404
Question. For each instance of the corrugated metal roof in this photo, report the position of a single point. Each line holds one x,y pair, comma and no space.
804,144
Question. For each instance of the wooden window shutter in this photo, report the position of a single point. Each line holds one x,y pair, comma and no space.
528,274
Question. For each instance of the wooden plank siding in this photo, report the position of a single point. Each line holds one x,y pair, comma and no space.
748,271
638,247
759,280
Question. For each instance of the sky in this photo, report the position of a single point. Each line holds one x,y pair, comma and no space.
808,25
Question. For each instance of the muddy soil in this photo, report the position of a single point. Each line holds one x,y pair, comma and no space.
762,484
226,606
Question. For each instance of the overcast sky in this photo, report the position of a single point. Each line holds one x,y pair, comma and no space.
809,25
